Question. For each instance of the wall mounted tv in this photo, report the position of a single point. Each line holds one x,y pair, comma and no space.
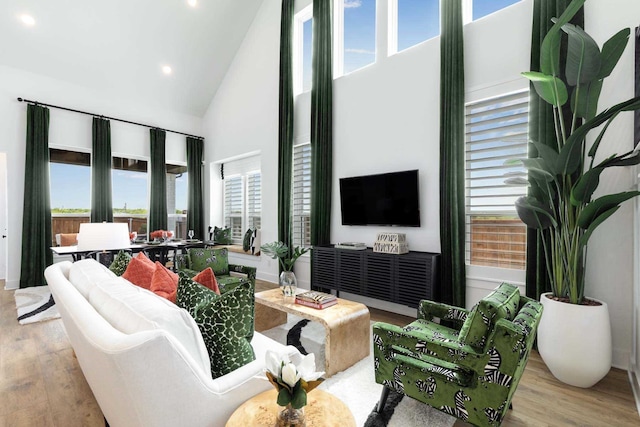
383,199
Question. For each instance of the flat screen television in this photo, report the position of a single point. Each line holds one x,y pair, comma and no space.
383,199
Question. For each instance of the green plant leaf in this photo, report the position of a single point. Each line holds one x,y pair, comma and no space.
600,205
586,106
299,397
583,56
548,154
596,143
586,185
570,157
631,158
516,181
612,51
538,169
535,214
550,47
284,397
599,220
581,132
550,88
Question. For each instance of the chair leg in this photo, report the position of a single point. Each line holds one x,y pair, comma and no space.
511,406
383,399
106,423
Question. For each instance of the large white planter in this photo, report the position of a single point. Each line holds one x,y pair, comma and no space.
575,341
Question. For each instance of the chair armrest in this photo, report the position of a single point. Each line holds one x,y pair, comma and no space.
429,310
388,339
249,271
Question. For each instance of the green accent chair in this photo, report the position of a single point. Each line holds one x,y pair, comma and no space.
469,365
198,259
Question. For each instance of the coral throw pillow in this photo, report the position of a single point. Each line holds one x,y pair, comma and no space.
140,271
207,279
164,282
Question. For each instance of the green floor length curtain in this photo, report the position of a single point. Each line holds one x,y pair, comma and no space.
541,128
321,123
195,204
158,197
36,216
452,195
101,206
285,125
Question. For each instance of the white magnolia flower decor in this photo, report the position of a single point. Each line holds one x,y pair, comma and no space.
293,377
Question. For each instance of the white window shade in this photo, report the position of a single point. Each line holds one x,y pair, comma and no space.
233,206
254,200
496,131
242,196
302,195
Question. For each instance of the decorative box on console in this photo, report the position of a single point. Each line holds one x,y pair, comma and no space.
391,243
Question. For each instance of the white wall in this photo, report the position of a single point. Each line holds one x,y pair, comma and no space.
72,131
386,118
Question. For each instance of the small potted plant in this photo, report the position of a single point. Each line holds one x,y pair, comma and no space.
287,259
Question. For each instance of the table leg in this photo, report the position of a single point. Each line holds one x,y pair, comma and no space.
347,342
267,317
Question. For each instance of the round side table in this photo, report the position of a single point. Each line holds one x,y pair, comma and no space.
322,410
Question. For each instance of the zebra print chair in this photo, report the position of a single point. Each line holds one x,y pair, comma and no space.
468,368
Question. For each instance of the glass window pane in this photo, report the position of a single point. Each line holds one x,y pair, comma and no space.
306,54
70,188
129,181
418,20
359,34
486,7
177,200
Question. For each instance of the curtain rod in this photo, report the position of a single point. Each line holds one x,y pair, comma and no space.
107,117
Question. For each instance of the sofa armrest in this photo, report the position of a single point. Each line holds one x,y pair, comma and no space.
249,271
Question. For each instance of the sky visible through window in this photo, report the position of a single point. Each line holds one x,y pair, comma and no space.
306,54
418,20
71,188
483,8
359,34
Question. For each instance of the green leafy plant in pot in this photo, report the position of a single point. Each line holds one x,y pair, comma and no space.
565,175
287,259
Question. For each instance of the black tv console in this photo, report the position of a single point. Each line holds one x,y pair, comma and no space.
403,279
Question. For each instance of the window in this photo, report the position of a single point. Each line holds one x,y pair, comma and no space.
242,196
412,22
302,195
482,8
130,194
177,200
302,35
355,35
70,190
496,131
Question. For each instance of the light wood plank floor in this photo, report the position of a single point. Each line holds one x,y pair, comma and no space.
41,383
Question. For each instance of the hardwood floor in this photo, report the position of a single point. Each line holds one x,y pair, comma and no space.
41,383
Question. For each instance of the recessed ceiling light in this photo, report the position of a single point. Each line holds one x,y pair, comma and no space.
192,3
27,20
166,69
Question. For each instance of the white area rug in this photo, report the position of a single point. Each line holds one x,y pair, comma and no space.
35,305
356,386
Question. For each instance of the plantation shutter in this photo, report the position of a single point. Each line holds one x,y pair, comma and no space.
254,200
302,195
496,131
233,201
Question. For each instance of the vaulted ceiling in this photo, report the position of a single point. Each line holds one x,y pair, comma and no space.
120,46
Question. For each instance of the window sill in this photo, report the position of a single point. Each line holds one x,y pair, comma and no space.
236,249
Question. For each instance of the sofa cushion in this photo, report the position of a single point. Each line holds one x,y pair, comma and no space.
207,279
225,321
502,303
164,282
140,271
120,263
217,259
132,309
85,273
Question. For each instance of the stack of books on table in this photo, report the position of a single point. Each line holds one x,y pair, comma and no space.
315,299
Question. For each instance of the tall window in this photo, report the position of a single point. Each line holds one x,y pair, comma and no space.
177,200
242,196
302,36
355,35
482,8
302,195
129,182
496,131
70,182
412,22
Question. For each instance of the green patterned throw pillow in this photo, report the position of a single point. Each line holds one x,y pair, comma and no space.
217,259
120,263
222,236
225,322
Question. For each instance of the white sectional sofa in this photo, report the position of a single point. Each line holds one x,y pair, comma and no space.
143,357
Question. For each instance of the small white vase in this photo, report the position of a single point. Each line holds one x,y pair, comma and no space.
575,341
288,285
